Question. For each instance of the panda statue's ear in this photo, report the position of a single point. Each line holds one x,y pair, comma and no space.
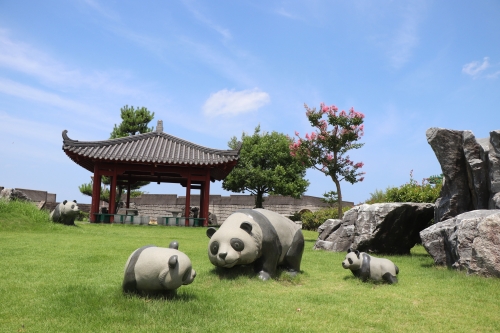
64,202
247,227
173,245
349,250
357,253
74,201
172,262
210,232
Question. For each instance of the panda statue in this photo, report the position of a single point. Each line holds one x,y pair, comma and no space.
260,237
152,269
365,266
65,212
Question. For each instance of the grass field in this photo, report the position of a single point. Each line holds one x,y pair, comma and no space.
55,278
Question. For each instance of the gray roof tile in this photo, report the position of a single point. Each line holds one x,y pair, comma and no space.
152,147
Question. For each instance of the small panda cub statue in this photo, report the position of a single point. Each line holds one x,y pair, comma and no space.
65,212
260,237
152,269
365,266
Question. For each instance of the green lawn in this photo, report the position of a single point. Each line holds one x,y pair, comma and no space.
68,279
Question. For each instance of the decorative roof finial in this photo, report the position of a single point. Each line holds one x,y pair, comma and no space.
159,126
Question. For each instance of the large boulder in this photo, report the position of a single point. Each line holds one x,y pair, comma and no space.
455,194
494,170
477,170
469,241
391,228
471,169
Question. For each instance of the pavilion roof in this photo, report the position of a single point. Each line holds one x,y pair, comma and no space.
154,147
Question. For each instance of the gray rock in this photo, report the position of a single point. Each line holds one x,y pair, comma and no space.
455,194
477,171
13,194
391,228
212,219
440,239
494,170
468,241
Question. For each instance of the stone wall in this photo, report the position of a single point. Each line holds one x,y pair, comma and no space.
223,206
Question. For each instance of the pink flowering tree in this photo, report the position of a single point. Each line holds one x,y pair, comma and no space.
325,148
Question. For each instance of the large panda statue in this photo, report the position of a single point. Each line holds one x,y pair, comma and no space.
65,212
365,266
260,237
152,269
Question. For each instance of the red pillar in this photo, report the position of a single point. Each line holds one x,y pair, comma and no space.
128,193
112,196
96,194
205,198
188,199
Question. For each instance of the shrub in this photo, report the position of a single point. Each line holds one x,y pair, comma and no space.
312,221
426,192
82,216
414,192
378,196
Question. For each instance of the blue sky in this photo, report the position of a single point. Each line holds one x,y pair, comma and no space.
213,69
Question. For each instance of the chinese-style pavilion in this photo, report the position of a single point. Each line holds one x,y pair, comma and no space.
156,157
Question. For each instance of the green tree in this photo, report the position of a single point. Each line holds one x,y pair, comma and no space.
266,166
330,198
325,147
133,121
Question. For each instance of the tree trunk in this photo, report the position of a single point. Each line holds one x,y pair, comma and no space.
259,199
337,183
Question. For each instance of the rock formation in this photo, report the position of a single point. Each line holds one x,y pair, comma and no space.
471,169
390,228
13,194
469,241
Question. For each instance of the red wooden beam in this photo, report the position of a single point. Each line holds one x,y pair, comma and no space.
96,194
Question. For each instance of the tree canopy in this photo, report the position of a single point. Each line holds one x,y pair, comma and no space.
133,121
324,149
266,166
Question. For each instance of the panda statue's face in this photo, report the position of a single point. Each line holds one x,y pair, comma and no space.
235,243
352,261
70,207
180,272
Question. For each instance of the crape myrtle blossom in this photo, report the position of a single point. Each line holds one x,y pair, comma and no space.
334,134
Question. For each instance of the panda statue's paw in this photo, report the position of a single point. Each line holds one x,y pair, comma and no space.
264,276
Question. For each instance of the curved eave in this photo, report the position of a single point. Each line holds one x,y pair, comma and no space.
154,148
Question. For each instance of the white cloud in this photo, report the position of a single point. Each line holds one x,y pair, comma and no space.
226,102
23,58
209,23
283,12
406,39
95,5
494,75
475,68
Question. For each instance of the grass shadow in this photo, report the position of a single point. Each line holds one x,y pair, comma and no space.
166,295
234,272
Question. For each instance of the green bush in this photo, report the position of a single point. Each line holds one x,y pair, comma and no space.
312,221
82,216
378,196
426,192
414,192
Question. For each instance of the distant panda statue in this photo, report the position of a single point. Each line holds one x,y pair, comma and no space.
65,212
152,269
365,266
260,237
